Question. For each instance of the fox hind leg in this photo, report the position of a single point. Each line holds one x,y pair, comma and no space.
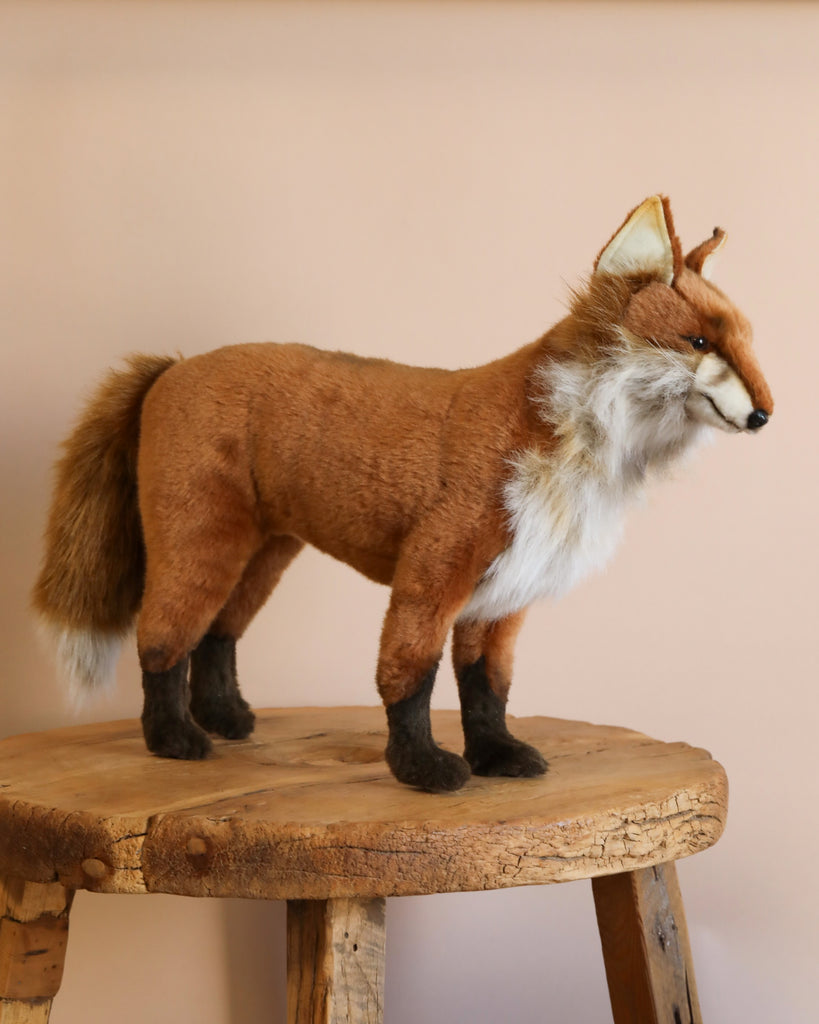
216,702
167,725
192,569
482,656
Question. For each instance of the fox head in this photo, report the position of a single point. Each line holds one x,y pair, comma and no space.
666,301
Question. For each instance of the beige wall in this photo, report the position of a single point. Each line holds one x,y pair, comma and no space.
418,180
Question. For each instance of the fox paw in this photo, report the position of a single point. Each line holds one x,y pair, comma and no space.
181,739
429,768
507,757
232,719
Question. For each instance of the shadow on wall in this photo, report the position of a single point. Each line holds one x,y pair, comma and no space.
256,954
25,654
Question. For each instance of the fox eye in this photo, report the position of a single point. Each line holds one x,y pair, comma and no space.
697,341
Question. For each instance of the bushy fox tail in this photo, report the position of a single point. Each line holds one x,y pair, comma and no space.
90,585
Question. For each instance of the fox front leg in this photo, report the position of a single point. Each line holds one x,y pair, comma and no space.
412,640
482,656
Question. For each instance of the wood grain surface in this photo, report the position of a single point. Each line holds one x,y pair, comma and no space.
307,809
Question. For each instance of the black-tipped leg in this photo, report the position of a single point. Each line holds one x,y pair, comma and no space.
412,754
490,749
216,703
166,721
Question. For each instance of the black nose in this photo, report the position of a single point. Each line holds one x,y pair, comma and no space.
758,418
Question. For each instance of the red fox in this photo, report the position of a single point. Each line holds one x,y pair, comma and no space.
189,485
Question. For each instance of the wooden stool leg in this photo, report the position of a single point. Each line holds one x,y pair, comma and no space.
335,961
33,936
645,947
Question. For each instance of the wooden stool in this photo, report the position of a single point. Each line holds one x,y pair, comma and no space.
306,811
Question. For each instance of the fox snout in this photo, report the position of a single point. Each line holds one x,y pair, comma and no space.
720,398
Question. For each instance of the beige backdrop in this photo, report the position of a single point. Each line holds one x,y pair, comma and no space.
421,181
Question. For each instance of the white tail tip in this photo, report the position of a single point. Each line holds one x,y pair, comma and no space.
87,660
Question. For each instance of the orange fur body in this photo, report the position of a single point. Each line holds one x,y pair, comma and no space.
396,471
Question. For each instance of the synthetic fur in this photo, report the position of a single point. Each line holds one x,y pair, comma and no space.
700,259
93,573
167,725
469,492
216,703
490,749
645,240
412,754
728,333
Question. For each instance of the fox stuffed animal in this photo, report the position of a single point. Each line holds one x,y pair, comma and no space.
188,486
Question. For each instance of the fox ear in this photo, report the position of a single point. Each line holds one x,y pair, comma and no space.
701,259
646,243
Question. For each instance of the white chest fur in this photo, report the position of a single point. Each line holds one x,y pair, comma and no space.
613,421
565,522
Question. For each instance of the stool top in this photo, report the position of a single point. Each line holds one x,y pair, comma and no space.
307,809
